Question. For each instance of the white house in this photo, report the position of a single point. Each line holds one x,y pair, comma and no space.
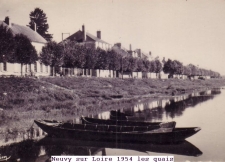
38,69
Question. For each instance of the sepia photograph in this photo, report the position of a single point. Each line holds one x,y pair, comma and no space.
112,80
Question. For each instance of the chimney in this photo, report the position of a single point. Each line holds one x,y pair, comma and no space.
150,53
130,48
118,45
99,34
139,52
84,33
7,21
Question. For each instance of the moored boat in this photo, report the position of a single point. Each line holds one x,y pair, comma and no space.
117,115
93,132
87,120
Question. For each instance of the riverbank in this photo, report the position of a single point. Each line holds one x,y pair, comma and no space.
63,98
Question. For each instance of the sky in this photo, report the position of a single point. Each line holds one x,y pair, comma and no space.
186,30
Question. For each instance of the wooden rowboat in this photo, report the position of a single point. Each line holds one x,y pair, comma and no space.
86,120
94,132
117,115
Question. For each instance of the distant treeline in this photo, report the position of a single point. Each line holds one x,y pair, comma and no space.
71,54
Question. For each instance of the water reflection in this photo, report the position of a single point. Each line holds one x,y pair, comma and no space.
184,148
42,150
22,151
169,107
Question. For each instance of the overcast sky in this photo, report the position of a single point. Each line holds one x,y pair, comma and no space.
191,31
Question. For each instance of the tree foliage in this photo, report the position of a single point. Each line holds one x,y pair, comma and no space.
125,63
168,67
173,67
39,18
158,66
103,59
115,60
152,68
7,45
187,71
70,54
178,66
25,53
91,58
140,65
132,66
147,65
52,54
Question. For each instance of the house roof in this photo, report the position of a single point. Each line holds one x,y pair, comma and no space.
19,29
95,38
78,36
122,51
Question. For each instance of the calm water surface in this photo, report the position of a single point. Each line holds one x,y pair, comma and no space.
204,110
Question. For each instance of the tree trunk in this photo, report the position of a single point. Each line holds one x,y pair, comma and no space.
21,69
53,70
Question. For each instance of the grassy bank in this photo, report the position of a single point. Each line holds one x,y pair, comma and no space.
24,99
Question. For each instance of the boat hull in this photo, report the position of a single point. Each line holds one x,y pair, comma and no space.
86,120
178,134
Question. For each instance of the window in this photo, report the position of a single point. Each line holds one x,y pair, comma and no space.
4,66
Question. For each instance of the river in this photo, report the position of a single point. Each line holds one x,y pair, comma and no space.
199,109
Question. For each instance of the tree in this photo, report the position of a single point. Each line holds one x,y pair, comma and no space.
103,59
147,65
178,67
125,64
7,45
39,18
158,66
140,65
194,70
152,68
115,60
132,66
68,54
79,53
169,68
25,53
52,54
91,58
187,70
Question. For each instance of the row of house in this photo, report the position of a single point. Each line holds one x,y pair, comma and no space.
82,37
